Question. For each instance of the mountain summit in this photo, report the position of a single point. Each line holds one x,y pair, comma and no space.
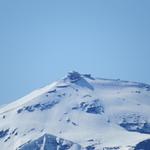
79,112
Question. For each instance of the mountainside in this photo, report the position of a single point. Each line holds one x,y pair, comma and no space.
79,112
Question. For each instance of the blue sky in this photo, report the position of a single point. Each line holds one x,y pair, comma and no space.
40,41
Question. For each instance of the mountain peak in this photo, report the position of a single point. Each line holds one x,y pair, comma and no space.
79,79
78,112
74,76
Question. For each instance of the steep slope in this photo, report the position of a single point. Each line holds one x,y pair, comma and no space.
81,111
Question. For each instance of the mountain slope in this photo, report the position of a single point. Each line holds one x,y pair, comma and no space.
86,112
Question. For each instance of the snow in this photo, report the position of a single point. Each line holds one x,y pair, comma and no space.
79,108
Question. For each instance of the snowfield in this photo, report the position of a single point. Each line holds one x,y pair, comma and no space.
78,112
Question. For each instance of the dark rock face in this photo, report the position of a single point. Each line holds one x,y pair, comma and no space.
3,133
135,123
78,79
38,106
144,145
137,127
48,142
90,148
93,107
74,76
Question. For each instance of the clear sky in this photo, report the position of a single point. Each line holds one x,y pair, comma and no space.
41,40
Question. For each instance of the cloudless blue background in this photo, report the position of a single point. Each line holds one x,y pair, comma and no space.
41,40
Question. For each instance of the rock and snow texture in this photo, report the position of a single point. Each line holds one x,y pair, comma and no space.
49,142
79,112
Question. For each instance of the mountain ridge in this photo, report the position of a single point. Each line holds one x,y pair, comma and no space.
79,108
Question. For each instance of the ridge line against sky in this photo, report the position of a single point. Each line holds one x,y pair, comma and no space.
40,41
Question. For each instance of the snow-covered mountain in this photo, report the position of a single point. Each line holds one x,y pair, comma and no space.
79,112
